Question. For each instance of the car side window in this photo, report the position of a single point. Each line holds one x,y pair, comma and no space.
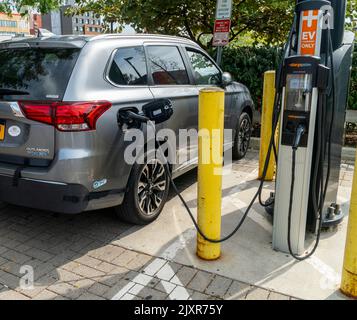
205,72
167,66
129,67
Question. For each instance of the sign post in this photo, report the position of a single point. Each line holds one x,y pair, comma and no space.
222,26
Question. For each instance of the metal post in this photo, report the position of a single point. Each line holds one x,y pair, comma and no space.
219,55
349,273
210,163
266,125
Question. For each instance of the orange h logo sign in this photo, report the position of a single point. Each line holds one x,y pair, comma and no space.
309,33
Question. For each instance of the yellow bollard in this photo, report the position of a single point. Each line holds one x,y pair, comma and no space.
266,125
349,273
210,163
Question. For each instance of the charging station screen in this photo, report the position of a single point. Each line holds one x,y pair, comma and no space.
298,92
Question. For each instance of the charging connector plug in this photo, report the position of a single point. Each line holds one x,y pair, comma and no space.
298,135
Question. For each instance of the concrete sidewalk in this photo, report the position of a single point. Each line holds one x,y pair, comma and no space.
95,256
248,256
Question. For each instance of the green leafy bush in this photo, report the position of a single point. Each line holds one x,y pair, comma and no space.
248,64
352,101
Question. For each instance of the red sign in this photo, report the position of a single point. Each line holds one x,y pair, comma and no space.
221,32
222,26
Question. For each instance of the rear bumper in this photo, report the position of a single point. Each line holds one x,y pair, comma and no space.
52,196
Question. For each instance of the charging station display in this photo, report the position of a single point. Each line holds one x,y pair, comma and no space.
298,92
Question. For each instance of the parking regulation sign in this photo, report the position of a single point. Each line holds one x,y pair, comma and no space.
220,39
224,9
222,26
221,32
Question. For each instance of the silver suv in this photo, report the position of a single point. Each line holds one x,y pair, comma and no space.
61,148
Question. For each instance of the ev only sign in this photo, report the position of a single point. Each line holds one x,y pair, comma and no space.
222,24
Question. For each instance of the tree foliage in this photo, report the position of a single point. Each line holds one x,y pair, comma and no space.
352,99
268,20
351,14
24,5
248,64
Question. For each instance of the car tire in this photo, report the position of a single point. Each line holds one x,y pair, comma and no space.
243,136
147,193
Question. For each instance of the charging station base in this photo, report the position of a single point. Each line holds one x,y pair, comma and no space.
328,222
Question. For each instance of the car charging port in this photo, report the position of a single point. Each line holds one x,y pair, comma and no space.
129,118
157,111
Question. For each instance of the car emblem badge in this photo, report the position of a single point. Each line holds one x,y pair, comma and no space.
98,184
14,131
16,110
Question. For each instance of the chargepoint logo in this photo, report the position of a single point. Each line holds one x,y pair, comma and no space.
181,148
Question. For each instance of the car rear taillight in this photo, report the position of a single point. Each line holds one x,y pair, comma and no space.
66,116
38,112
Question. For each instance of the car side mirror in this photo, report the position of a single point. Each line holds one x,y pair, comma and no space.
226,79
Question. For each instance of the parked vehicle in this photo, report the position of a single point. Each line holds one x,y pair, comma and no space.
61,148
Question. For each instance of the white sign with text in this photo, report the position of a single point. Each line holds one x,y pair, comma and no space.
224,9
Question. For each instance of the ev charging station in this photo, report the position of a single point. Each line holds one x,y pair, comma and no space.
315,75
300,102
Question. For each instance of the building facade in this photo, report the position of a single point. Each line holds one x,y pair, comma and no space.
61,24
86,24
14,25
35,23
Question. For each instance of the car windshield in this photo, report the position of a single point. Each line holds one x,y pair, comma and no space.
43,73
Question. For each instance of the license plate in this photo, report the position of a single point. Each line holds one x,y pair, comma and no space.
2,130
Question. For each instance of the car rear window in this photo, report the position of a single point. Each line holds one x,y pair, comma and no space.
42,72
129,67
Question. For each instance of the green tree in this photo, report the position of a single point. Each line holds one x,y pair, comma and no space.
268,20
351,14
24,5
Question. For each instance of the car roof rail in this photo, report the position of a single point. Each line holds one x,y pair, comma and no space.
139,35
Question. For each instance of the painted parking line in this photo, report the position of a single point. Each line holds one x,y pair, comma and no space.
138,283
143,279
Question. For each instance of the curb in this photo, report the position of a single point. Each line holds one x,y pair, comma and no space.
348,153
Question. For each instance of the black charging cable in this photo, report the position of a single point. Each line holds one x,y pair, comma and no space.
319,187
239,225
319,164
328,172
129,115
318,198
272,147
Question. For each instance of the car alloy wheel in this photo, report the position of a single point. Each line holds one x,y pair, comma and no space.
244,135
152,186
